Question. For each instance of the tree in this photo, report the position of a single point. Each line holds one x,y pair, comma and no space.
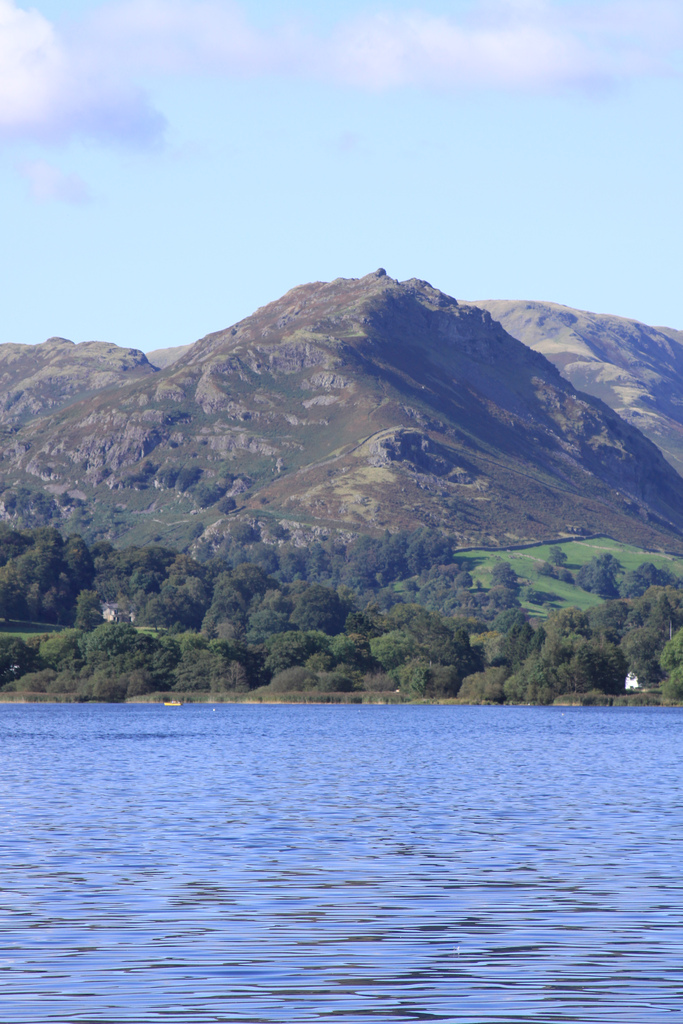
634,584
595,665
198,670
427,548
79,564
414,678
226,505
319,607
285,650
16,658
393,649
599,576
88,610
507,620
556,556
265,623
672,662
503,575
111,645
61,651
206,494
519,643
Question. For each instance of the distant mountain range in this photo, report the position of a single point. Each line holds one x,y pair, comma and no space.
357,405
162,357
637,370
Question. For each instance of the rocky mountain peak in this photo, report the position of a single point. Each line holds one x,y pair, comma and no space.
359,404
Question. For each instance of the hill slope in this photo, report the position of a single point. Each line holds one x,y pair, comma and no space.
39,378
637,370
361,404
163,357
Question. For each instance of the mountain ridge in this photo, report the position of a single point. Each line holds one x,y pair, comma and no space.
636,369
357,405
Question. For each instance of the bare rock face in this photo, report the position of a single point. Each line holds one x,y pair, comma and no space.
354,405
411,448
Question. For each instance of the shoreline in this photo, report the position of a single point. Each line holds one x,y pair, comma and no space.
560,702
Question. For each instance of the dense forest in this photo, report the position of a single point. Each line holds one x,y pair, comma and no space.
307,624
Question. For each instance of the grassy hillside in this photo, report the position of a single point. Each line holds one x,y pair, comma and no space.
527,563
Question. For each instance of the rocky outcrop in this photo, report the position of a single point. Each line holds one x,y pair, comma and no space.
38,378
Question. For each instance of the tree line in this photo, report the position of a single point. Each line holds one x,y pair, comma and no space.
234,630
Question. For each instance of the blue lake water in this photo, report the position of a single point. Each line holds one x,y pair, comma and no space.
261,864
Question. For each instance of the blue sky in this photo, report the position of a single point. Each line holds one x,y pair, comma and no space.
166,166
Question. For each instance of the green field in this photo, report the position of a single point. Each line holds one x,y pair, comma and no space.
527,562
28,629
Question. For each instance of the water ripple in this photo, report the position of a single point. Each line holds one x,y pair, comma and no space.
340,864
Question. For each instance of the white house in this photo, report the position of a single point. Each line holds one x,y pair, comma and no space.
112,613
632,681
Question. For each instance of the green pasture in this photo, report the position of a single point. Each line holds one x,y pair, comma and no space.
528,561
28,629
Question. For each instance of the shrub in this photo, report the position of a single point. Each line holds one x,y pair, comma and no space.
484,687
443,681
138,683
293,679
106,688
379,682
207,494
187,477
334,682
36,682
243,533
168,476
594,698
64,682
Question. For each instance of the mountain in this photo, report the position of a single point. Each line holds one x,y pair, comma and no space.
163,357
637,370
357,405
38,378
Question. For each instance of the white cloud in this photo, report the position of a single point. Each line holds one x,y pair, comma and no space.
416,49
48,183
502,44
89,80
49,90
180,36
32,64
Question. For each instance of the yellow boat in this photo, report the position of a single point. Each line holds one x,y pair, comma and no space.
173,704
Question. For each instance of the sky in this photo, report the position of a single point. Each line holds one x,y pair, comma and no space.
167,166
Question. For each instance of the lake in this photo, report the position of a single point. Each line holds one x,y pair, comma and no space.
261,864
